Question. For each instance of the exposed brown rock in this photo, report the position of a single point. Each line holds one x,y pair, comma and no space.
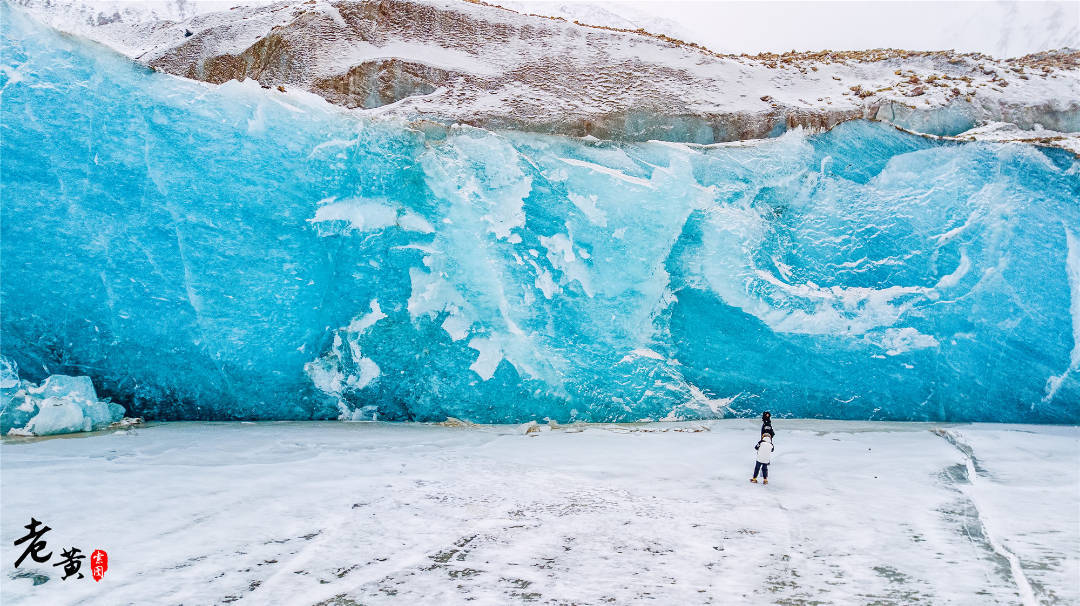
377,83
494,68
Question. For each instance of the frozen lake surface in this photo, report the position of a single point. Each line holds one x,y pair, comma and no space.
366,513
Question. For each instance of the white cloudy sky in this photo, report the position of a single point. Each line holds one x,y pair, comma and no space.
1002,29
999,28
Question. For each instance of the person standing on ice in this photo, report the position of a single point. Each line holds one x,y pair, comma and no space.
764,449
766,423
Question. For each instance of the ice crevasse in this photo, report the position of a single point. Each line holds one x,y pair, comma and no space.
228,252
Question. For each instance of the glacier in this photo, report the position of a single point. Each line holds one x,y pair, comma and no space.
232,252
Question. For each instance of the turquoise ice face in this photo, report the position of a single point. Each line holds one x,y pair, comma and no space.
230,252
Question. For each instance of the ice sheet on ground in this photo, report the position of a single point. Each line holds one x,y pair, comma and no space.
338,513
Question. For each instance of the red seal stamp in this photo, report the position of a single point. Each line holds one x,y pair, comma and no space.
99,563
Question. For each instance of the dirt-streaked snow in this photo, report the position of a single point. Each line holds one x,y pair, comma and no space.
351,513
452,61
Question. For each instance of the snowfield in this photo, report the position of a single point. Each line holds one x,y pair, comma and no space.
370,513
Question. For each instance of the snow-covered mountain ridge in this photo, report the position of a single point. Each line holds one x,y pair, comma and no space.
449,61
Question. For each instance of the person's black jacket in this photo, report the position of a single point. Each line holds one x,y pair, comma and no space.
766,424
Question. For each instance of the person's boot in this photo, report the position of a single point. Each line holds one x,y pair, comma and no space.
754,480
765,480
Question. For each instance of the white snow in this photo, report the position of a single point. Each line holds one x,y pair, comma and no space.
1002,29
1004,132
554,74
432,55
1005,28
303,513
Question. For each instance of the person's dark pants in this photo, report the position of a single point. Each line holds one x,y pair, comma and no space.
763,467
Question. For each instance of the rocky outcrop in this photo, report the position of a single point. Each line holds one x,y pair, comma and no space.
483,65
381,82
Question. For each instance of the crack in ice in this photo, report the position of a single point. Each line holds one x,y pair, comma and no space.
1023,586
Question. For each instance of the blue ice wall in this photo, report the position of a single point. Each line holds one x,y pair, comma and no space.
230,252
